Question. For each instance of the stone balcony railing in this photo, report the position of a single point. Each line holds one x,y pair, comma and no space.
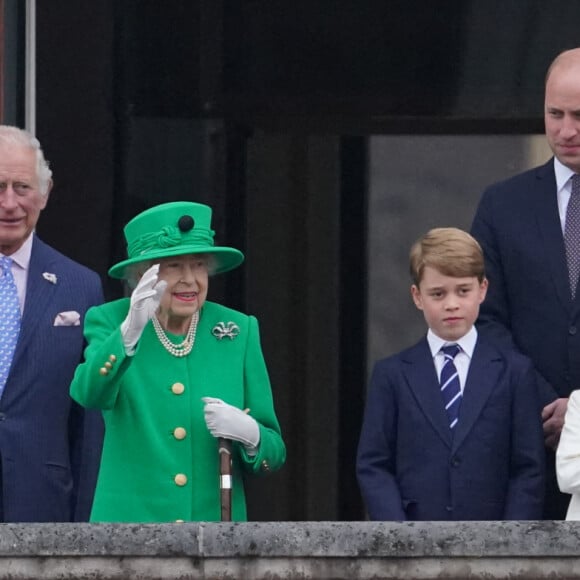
297,550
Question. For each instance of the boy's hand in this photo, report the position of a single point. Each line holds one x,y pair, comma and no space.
553,420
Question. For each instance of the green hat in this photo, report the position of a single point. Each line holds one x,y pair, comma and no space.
174,229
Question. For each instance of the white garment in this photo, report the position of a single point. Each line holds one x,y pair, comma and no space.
568,456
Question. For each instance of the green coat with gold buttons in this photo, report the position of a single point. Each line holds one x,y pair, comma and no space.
159,461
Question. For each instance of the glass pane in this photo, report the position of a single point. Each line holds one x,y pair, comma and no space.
417,183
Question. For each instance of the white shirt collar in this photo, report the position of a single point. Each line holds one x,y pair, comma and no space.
466,342
563,174
21,257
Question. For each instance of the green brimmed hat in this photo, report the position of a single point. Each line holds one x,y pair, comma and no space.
174,229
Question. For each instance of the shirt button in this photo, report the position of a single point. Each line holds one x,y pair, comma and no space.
177,388
180,479
179,433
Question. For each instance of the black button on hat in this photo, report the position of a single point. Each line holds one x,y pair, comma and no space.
185,223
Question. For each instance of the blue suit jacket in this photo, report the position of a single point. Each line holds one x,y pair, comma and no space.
49,446
411,466
529,299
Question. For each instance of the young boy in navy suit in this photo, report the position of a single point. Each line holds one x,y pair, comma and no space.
458,443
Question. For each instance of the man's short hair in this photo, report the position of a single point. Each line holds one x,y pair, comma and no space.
15,136
450,251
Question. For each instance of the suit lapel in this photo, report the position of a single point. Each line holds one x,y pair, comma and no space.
419,371
552,240
482,377
39,294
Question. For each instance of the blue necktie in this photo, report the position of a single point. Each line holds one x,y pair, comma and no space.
9,319
450,388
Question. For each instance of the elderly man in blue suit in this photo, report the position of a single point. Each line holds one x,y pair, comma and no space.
528,227
49,446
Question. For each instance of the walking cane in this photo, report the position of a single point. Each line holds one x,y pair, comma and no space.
225,453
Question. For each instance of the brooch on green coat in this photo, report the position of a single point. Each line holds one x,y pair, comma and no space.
222,329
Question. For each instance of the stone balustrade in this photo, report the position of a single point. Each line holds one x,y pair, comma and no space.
297,550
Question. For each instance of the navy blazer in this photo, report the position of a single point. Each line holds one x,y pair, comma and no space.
411,466
49,445
529,299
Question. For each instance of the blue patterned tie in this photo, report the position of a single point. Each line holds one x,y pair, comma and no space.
572,234
9,319
450,388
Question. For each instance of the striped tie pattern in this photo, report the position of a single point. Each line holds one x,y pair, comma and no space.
9,319
572,234
450,388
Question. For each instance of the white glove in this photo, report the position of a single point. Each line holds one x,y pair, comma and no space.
224,420
144,303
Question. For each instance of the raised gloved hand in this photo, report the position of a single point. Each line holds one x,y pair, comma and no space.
224,420
144,303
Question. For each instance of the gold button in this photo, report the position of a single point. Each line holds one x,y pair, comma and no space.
112,358
103,371
179,433
108,365
177,388
180,479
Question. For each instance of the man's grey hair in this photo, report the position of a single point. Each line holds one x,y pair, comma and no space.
14,136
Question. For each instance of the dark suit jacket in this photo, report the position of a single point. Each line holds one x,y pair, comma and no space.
49,446
411,466
529,299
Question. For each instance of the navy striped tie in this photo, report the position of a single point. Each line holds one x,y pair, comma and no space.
450,388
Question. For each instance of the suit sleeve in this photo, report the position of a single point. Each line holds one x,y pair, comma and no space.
568,453
376,457
271,453
494,314
85,433
525,496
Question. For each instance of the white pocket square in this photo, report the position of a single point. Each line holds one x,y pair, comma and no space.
68,318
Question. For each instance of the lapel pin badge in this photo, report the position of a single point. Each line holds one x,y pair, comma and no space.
222,329
50,277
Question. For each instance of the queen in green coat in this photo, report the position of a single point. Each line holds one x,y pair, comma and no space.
172,373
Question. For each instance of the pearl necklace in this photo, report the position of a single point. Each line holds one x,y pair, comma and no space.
183,348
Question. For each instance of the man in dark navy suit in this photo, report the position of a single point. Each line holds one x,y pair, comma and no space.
533,301
49,446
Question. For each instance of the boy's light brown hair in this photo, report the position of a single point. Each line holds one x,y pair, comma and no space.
450,251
